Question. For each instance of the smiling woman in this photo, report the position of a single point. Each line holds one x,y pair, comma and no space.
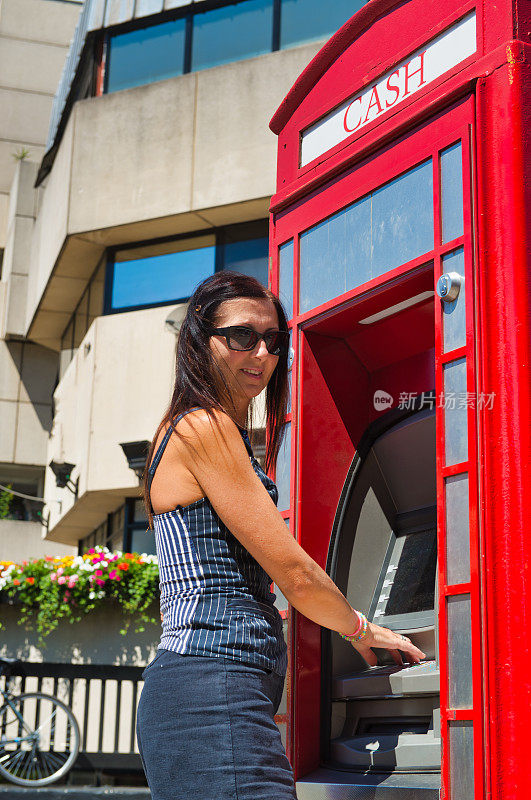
221,542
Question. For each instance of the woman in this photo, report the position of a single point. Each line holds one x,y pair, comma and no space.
205,718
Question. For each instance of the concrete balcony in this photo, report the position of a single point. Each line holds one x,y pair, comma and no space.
115,390
22,541
185,154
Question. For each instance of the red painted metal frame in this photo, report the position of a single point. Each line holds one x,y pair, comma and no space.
504,359
470,467
498,348
445,130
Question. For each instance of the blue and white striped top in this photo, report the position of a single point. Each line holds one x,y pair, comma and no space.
215,597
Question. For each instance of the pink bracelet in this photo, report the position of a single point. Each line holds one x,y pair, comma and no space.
358,629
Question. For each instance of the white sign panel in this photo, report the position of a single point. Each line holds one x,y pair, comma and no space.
419,69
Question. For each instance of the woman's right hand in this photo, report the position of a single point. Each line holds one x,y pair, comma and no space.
386,639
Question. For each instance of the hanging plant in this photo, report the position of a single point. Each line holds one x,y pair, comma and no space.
52,589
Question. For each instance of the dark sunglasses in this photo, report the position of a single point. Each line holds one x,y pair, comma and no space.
239,337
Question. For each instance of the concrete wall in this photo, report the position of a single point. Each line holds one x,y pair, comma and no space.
22,541
19,230
34,39
115,390
27,377
179,155
94,640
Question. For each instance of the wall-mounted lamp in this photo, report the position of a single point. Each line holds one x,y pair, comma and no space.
63,471
136,454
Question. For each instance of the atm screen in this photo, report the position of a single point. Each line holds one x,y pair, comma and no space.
414,579
405,592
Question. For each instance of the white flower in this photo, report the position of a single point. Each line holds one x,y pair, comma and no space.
92,595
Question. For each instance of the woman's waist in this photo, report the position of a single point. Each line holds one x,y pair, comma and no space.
220,604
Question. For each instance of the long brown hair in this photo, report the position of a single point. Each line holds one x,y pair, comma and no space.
199,382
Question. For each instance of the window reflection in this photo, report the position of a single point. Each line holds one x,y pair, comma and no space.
285,279
282,478
146,55
232,33
143,279
452,193
387,228
165,272
304,21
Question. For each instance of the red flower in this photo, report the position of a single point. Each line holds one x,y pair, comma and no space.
30,580
16,582
123,566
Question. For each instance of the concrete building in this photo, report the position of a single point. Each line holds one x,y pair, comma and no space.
34,39
158,170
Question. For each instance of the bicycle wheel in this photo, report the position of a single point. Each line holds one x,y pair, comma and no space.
39,739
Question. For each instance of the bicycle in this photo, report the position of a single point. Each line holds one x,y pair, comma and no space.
39,734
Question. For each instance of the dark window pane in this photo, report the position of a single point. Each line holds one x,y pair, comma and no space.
249,256
143,542
146,55
307,20
232,33
155,277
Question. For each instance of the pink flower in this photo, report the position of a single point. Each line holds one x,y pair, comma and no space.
53,576
60,571
98,572
100,582
61,579
91,551
72,581
113,574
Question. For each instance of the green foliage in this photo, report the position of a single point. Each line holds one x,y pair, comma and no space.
48,590
22,154
6,498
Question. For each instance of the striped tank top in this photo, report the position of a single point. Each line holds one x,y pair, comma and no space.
215,597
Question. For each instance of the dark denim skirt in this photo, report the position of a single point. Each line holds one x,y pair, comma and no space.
206,731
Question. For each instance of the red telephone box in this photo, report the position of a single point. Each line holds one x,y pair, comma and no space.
399,245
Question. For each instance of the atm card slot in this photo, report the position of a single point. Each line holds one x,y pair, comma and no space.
421,678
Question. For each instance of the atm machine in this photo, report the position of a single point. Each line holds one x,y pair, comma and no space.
399,246
383,557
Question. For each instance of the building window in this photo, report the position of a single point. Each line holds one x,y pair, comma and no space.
138,539
27,481
304,21
154,274
146,55
232,33
111,533
192,39
167,271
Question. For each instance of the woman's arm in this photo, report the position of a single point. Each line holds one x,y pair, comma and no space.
218,459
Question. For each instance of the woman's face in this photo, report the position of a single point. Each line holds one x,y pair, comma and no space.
247,372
